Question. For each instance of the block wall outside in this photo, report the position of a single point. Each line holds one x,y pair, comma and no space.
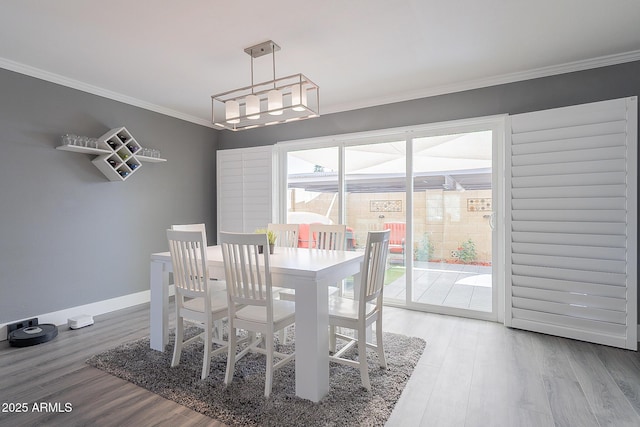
446,218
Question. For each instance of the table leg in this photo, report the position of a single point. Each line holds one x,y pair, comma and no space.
159,317
312,341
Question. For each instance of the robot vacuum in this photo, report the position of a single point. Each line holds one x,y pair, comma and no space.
32,335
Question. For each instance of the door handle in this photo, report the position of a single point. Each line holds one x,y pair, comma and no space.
492,219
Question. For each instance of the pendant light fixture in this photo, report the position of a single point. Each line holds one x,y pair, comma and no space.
275,101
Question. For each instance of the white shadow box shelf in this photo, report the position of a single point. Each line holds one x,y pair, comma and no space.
117,158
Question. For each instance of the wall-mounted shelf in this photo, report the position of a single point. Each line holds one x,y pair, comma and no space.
116,150
150,159
80,149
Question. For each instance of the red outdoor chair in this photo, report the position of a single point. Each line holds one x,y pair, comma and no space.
397,238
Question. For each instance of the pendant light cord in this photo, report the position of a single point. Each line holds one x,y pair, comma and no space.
252,92
273,53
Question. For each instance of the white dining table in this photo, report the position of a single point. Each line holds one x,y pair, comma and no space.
309,272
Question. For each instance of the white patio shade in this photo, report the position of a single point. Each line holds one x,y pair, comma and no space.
382,166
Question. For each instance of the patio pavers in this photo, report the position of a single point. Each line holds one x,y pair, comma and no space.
451,285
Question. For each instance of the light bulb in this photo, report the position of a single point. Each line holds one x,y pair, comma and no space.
232,111
274,102
253,107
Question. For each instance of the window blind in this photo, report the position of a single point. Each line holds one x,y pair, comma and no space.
244,189
571,222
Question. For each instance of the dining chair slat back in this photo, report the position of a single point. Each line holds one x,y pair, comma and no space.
192,227
247,278
287,234
374,266
189,259
328,236
218,285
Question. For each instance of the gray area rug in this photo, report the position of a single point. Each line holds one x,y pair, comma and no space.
243,402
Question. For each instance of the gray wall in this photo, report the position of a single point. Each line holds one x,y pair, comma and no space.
538,94
67,235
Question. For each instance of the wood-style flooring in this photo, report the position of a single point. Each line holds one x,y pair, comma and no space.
473,373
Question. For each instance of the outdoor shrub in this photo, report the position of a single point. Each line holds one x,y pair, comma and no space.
467,251
424,251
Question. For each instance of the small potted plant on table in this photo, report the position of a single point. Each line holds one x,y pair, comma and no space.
271,237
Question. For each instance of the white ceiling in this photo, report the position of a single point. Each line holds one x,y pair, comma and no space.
171,56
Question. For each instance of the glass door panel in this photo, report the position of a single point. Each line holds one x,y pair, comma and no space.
452,221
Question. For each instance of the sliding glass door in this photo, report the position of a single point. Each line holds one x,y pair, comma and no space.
432,187
453,221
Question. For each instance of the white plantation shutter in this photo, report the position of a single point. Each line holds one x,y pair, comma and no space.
245,189
572,222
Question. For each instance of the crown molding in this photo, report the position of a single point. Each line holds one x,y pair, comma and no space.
96,90
568,67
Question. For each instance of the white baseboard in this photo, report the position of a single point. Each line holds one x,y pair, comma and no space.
93,309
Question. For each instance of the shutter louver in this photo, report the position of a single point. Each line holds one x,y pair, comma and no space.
571,222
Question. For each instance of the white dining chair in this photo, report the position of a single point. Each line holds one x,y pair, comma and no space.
287,234
357,314
195,300
248,278
328,236
215,283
